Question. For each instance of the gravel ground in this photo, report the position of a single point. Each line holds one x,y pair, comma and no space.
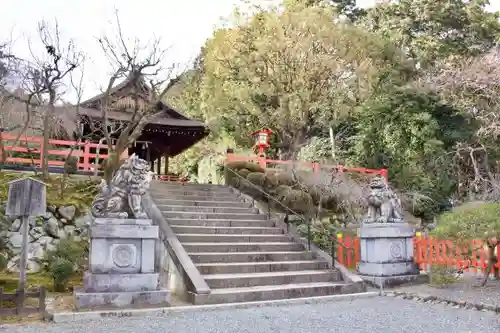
380,314
463,291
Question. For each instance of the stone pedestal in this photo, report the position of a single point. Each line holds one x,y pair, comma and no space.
122,265
386,257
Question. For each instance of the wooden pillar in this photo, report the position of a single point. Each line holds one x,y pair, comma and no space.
165,154
158,165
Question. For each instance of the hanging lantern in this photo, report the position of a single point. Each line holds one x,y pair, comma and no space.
262,140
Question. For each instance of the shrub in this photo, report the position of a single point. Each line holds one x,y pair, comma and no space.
71,165
3,262
471,222
61,270
244,173
442,275
66,260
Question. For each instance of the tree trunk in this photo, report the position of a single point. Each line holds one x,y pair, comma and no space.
46,137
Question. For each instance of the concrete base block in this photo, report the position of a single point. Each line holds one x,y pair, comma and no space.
121,299
392,281
97,283
387,269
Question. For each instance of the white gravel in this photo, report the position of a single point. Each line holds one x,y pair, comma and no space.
380,314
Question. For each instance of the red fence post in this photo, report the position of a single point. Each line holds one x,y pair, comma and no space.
315,167
340,250
86,156
41,153
262,161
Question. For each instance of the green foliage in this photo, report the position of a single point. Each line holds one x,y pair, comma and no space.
442,275
3,261
65,261
470,222
242,86
411,134
71,165
321,233
432,31
370,79
61,270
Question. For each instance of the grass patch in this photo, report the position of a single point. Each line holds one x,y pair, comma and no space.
63,301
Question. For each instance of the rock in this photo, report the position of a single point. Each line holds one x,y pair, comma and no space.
63,221
61,234
44,240
83,221
48,215
35,251
13,264
16,240
52,227
36,232
16,225
67,212
69,230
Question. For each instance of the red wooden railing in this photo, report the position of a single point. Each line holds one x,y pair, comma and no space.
33,146
427,251
264,162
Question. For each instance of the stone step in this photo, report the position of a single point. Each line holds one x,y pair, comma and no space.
198,209
176,185
267,293
182,193
196,198
267,278
243,247
220,222
260,267
214,216
171,202
231,238
185,229
245,257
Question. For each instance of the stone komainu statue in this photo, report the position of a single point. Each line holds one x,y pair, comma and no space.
384,206
122,197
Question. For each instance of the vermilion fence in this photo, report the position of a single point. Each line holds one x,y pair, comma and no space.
264,162
427,251
32,147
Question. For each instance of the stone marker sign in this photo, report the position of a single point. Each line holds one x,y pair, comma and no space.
26,198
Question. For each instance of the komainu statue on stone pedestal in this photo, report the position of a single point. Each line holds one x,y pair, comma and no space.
384,206
122,197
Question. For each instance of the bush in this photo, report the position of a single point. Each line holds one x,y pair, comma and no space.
71,165
465,223
321,233
442,275
468,222
3,262
65,261
61,270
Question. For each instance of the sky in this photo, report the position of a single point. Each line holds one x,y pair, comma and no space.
182,25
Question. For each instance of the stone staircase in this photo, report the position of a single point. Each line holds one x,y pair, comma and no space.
240,253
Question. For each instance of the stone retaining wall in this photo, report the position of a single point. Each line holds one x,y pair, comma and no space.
44,234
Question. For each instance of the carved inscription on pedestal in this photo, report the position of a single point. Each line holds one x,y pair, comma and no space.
124,255
396,250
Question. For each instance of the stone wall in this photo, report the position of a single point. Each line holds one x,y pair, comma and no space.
44,234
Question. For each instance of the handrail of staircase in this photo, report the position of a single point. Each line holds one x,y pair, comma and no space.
194,281
287,209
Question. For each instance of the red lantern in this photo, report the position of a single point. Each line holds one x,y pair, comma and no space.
262,139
